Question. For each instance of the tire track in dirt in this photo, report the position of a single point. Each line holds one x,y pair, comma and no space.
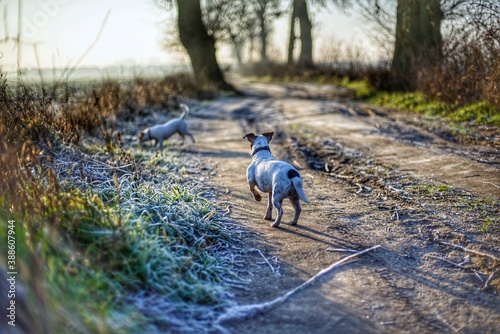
398,289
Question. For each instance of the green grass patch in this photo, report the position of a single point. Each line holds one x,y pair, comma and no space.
361,88
480,112
485,205
490,224
414,102
432,189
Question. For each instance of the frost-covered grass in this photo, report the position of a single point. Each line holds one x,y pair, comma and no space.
108,239
170,240
125,242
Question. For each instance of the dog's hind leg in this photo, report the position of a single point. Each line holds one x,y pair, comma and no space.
277,203
296,205
191,136
182,136
185,132
269,210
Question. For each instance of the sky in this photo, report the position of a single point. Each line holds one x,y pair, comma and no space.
60,31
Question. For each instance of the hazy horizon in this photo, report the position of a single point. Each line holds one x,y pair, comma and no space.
60,33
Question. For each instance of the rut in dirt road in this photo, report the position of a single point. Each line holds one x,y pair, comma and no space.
357,201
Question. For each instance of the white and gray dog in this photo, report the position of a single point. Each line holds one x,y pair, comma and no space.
161,132
278,178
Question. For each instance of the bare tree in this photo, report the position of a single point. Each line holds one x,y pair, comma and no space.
266,11
473,20
230,21
300,13
199,44
380,15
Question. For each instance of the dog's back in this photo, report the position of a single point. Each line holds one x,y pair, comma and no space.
167,129
281,174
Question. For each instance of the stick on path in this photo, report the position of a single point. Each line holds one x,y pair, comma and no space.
247,311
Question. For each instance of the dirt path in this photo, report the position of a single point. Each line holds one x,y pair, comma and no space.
401,288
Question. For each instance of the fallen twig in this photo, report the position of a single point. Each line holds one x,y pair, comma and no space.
490,278
342,176
395,215
461,266
494,258
208,215
491,184
258,251
341,250
228,210
447,323
395,189
386,323
246,311
213,167
479,276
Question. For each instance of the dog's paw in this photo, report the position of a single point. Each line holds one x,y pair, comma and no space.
268,217
257,197
275,224
293,222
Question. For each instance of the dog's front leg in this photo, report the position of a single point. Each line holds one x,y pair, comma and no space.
269,210
254,191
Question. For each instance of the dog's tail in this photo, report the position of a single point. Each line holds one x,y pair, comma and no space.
185,110
297,184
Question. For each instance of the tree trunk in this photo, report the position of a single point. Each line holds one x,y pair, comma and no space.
237,46
261,17
252,47
263,46
306,47
418,41
199,45
291,40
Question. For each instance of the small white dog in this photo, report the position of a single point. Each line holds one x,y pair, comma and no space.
278,178
161,132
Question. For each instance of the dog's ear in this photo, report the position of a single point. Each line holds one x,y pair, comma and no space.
250,136
268,135
144,135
